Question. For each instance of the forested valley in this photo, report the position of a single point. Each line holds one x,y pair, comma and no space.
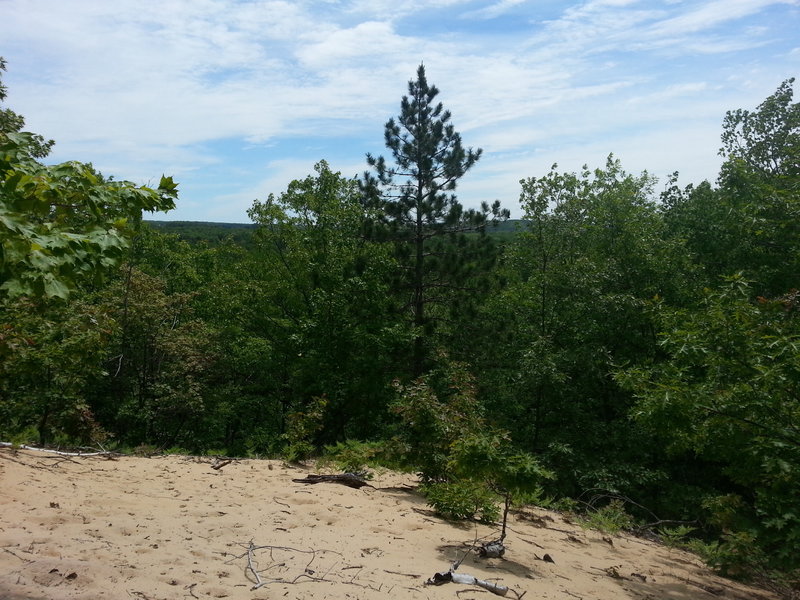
630,349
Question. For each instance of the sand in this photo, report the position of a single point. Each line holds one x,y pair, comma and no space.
173,527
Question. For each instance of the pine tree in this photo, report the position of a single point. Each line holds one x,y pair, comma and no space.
421,215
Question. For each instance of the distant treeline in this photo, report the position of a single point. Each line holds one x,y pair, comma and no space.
242,233
200,231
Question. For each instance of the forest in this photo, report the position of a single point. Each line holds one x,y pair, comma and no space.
628,348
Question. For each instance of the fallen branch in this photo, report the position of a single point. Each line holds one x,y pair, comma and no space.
443,577
58,452
349,479
307,571
448,576
219,465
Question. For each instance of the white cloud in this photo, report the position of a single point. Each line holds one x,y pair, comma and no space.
493,10
707,16
140,92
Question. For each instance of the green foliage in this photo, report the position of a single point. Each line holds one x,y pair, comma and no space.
303,428
489,457
160,360
353,456
424,220
609,518
214,234
48,357
312,263
750,222
675,537
462,500
64,224
727,393
434,412
767,140
579,277
11,122
463,463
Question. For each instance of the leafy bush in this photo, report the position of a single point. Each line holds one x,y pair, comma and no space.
727,393
353,456
301,429
434,411
610,518
460,500
675,537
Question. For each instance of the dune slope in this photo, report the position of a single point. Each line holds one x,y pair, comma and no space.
173,527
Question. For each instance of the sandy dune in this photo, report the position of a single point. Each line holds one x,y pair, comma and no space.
173,527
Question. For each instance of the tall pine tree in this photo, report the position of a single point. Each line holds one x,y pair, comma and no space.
440,264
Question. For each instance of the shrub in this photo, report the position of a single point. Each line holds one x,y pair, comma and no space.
459,500
354,456
610,518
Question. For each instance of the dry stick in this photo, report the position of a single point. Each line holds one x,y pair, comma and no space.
218,466
251,548
250,566
11,552
414,575
58,460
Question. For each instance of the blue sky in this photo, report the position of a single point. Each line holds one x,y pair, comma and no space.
237,98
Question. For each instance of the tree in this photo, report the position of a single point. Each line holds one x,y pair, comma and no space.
749,222
767,140
324,303
64,224
62,228
159,364
11,122
728,393
49,357
420,212
579,275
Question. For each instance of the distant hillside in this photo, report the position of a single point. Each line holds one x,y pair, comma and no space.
510,226
214,233
201,231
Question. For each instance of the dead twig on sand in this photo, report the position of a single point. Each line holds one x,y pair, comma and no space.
334,574
257,572
12,553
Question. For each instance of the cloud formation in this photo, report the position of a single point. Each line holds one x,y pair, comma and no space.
224,94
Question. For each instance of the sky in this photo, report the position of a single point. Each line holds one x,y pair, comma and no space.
236,98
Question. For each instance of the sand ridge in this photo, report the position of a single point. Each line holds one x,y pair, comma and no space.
172,527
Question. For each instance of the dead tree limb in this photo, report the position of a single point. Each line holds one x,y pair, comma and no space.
349,479
58,452
463,578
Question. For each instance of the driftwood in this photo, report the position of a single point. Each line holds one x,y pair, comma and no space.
349,479
58,452
463,578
